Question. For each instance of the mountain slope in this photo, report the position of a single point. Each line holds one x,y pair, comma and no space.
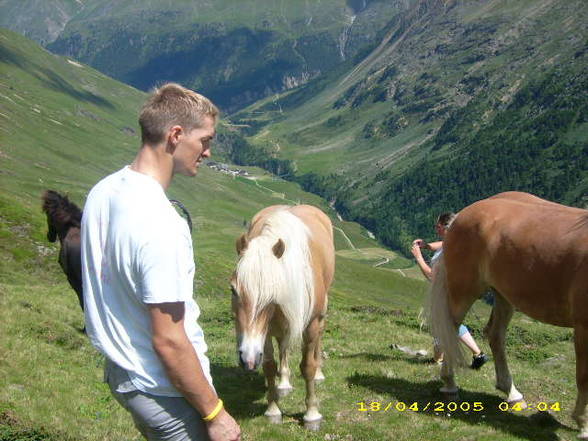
460,100
234,52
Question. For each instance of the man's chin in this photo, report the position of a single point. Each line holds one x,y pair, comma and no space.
190,173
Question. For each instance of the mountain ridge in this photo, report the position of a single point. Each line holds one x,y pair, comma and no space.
259,47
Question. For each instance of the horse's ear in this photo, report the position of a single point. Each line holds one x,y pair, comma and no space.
241,243
279,248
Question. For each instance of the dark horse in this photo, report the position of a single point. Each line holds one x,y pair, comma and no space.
63,220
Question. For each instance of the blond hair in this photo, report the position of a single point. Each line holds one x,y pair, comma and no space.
172,104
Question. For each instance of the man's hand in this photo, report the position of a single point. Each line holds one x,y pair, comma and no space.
223,428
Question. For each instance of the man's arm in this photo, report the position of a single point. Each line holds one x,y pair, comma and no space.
182,365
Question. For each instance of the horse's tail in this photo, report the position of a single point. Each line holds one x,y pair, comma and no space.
441,322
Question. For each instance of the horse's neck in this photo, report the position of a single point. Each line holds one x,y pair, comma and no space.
63,231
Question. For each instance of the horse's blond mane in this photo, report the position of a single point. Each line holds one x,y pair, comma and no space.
286,281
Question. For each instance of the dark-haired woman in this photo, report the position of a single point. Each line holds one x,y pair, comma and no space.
441,226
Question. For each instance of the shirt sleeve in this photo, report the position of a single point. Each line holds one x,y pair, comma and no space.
166,267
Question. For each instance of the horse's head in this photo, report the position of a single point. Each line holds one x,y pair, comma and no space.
252,313
251,328
61,214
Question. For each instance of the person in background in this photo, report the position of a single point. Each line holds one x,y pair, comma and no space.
443,222
138,272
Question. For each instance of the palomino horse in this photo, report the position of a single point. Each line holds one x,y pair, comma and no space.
534,254
286,266
63,221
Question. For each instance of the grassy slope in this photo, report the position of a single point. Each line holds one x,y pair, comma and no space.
61,128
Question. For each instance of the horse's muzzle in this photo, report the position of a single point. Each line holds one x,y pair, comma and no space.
250,363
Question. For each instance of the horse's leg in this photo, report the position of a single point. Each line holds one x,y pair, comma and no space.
74,268
270,370
496,333
581,411
318,355
71,264
308,367
284,386
76,284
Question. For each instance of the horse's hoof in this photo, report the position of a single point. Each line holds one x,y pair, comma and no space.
521,404
284,391
314,425
449,394
275,419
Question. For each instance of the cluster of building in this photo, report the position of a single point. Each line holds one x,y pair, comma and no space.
218,166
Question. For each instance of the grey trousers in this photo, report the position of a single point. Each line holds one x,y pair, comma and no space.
156,417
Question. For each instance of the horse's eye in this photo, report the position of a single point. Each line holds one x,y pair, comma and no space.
234,292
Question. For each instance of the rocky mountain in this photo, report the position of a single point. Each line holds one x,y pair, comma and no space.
459,100
234,52
40,20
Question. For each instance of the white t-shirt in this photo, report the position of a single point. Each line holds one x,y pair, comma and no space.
136,250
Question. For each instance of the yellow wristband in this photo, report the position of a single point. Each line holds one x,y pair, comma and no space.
215,411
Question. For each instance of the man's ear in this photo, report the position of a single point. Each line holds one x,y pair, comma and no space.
173,138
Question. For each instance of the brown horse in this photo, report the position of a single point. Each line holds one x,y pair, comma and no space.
63,221
534,254
286,266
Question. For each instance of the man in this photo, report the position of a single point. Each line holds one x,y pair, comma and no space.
138,271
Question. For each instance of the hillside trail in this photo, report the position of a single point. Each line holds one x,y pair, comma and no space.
383,262
274,193
347,239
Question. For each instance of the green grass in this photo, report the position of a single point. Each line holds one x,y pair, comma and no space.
51,378
50,373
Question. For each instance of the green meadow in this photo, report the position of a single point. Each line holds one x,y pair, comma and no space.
63,126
